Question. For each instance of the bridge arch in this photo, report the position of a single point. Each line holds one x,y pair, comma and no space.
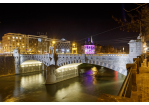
30,66
62,73
100,63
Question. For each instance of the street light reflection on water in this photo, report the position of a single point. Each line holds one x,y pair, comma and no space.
85,88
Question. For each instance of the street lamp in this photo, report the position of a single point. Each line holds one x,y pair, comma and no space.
74,45
53,42
123,50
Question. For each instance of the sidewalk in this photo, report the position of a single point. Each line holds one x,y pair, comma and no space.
142,81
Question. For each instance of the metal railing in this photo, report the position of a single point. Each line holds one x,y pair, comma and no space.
125,90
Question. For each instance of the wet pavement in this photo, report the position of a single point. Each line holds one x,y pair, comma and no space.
142,81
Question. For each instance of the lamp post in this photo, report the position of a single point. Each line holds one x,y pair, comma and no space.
123,50
53,44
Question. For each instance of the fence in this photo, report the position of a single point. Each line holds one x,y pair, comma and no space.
126,88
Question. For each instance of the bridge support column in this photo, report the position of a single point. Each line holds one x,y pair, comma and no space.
17,60
17,69
50,76
42,66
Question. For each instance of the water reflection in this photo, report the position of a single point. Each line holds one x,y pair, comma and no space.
85,88
30,81
0,98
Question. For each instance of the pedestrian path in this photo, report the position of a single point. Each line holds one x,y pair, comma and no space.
142,82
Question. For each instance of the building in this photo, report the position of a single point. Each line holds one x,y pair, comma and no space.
74,48
32,44
61,46
38,44
89,46
1,48
11,41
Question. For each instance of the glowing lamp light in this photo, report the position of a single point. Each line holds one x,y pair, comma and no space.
53,42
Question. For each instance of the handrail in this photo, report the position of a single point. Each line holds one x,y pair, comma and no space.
126,84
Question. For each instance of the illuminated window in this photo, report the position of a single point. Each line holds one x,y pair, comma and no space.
16,37
20,37
67,50
8,37
13,37
17,43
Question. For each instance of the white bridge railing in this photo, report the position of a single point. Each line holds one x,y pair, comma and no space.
59,55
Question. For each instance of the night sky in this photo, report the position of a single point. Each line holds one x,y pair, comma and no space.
69,21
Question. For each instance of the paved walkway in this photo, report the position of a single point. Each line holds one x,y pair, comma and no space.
142,81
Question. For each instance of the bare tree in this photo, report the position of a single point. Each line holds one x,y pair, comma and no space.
138,20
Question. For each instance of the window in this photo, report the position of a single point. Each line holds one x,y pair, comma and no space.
16,37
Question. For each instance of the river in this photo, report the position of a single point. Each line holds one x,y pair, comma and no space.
84,88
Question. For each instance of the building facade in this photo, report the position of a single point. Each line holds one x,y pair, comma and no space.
74,48
89,47
1,48
61,46
32,44
11,41
38,44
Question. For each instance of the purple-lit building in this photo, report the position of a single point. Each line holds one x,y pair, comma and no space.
89,47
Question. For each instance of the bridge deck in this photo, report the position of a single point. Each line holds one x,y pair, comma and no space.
142,81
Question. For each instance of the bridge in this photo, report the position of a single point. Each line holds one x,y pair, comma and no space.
65,66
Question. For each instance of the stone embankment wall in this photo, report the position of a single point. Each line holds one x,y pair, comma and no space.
7,66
